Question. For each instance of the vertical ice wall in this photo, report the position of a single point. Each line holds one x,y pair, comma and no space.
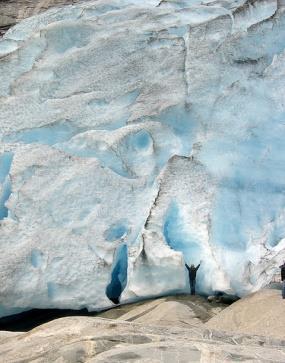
135,137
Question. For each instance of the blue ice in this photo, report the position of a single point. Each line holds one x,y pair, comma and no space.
140,140
177,237
36,258
49,135
5,165
65,36
116,231
252,194
119,274
108,157
179,31
52,289
181,121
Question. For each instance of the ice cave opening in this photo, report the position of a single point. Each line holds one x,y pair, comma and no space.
118,275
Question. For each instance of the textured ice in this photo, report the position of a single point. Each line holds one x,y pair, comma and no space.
136,136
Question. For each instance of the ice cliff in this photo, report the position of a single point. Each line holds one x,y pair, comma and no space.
136,135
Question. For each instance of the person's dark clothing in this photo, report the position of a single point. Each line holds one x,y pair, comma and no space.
192,271
282,272
192,287
283,289
282,267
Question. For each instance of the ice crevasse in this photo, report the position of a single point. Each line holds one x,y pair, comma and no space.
136,136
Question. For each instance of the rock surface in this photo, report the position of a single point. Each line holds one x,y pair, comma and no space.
180,311
136,136
169,329
259,313
94,339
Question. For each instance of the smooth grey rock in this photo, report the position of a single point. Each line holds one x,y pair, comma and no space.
258,313
181,311
87,339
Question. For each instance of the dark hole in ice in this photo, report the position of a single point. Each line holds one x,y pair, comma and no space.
28,320
119,275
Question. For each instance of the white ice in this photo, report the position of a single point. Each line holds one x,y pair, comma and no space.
136,136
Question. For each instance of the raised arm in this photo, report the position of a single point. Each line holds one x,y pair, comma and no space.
188,268
197,267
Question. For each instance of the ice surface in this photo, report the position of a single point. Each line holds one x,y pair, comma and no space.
5,182
136,136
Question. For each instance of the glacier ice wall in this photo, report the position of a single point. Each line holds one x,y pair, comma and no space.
136,136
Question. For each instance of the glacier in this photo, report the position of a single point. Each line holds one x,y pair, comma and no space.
136,136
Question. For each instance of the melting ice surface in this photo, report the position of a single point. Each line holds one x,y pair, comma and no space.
5,164
136,137
177,237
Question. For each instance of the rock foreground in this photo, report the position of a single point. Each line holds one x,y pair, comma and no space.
161,331
260,313
179,311
137,135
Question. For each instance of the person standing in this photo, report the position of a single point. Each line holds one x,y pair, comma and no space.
282,267
192,271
